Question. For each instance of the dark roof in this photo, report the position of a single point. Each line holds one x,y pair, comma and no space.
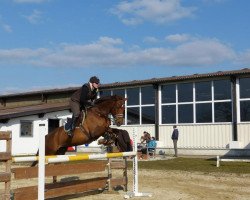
32,110
245,71
41,92
178,78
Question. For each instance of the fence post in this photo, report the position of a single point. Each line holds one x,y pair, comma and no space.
109,175
125,173
6,157
218,161
8,164
41,163
135,192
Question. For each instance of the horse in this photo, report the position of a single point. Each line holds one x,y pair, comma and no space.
95,124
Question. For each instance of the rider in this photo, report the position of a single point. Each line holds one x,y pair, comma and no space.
81,99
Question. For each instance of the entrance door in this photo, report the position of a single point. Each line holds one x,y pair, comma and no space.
53,123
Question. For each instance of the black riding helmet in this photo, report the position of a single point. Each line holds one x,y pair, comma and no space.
94,79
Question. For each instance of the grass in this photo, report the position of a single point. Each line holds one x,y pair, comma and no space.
195,164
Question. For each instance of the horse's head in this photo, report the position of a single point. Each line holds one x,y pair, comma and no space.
118,109
114,105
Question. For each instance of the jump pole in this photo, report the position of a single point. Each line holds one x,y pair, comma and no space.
135,192
41,163
69,158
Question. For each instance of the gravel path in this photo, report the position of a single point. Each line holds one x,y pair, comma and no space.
176,185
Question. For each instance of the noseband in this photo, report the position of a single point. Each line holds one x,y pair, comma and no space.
118,116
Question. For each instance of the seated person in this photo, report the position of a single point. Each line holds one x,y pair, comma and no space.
151,145
145,138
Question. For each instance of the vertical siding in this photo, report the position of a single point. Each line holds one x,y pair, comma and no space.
244,135
213,136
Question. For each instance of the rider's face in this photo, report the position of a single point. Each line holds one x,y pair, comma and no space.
95,85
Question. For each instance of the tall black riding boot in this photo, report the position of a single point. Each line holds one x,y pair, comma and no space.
72,128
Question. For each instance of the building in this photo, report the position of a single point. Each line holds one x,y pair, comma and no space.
212,112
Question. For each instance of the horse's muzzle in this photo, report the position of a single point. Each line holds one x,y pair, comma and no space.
119,121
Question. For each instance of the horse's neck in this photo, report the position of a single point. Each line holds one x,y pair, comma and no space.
104,108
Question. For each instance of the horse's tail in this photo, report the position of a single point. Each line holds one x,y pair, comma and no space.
123,141
35,162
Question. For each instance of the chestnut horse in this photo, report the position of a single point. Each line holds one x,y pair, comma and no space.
95,124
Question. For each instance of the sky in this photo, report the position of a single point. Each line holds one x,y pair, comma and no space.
49,44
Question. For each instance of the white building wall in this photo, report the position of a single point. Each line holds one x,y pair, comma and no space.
244,135
29,145
214,136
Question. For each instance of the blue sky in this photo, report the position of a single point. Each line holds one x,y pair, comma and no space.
47,44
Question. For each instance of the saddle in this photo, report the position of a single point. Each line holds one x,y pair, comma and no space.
81,118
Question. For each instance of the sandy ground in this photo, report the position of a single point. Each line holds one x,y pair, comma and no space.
178,185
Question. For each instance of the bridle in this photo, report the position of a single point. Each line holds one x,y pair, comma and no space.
119,115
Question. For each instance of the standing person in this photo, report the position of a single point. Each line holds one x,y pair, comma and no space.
174,137
82,98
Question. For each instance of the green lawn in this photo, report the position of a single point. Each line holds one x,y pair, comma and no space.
195,164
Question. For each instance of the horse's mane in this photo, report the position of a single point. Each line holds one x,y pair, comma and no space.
107,98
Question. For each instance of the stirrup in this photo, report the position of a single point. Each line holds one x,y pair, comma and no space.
70,133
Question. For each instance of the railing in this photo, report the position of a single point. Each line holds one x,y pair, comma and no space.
6,158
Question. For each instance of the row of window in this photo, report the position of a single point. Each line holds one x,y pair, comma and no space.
200,102
196,102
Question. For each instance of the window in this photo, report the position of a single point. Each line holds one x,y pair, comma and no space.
185,92
104,93
148,115
244,88
203,91
133,115
244,99
222,89
147,105
222,101
119,92
245,111
133,96
133,109
204,112
147,95
26,129
223,111
185,113
169,114
168,93
140,104
198,102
